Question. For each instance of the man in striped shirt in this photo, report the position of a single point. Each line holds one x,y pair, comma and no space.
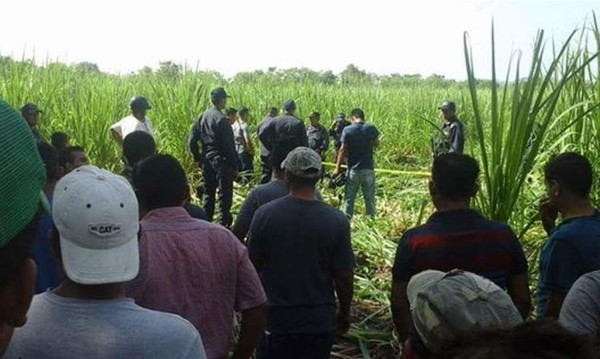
457,237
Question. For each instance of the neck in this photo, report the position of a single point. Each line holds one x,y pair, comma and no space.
444,205
279,175
139,116
49,188
303,193
359,120
70,289
577,207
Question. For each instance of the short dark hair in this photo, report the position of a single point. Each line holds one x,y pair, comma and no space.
273,111
280,151
137,146
455,175
17,251
358,113
59,140
49,157
160,182
572,171
244,111
230,111
66,156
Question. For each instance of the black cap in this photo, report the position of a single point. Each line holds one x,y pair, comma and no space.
30,109
289,105
139,103
448,105
340,116
315,115
218,94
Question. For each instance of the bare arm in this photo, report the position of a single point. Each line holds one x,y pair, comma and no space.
344,288
518,289
254,322
400,309
555,302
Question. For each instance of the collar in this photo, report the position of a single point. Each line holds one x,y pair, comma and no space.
167,214
456,215
596,216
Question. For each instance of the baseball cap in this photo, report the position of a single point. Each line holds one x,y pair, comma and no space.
340,116
444,305
316,115
22,177
139,103
303,162
96,214
218,94
30,108
289,105
448,105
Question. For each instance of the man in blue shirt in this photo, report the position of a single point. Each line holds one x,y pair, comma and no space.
574,245
358,142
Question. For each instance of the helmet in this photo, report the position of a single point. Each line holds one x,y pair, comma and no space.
139,103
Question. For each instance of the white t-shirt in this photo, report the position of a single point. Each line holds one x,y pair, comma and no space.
66,328
131,124
240,133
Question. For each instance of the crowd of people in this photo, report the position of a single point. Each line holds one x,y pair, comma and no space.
99,265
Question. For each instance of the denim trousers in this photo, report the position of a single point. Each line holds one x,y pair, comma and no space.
360,179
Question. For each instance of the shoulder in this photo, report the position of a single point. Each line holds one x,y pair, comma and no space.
167,325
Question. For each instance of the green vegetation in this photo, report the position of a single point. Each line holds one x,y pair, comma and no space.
513,127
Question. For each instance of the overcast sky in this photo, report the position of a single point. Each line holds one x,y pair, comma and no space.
381,36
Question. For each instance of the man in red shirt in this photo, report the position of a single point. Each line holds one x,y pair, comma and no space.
191,267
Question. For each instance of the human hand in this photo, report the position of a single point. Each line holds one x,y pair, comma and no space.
548,215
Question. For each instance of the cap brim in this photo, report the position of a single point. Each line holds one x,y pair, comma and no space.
420,282
100,266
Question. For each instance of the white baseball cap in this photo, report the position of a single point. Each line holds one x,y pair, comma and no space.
97,216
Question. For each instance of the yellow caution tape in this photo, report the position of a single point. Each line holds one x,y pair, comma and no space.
383,170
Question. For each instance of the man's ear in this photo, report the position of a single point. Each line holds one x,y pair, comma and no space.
16,297
432,189
554,189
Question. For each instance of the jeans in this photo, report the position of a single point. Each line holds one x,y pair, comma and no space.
296,346
356,179
266,169
218,175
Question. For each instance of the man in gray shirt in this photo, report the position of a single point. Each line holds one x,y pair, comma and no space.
88,316
580,312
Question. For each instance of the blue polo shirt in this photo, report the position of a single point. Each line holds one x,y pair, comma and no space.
359,139
572,251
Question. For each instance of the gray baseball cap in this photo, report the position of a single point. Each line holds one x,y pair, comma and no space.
448,105
445,305
303,162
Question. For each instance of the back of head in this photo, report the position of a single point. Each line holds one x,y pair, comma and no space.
357,113
139,104
272,112
97,217
303,168
230,112
49,157
67,155
532,340
572,172
160,182
455,176
445,305
137,146
289,106
59,140
244,111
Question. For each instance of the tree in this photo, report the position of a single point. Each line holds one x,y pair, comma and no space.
352,75
87,67
169,70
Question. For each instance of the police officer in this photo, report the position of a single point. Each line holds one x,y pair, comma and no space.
265,154
31,114
285,129
336,131
218,158
453,138
318,137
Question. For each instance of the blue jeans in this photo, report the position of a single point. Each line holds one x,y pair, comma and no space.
356,179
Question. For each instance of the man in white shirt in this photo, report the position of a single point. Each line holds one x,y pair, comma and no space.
137,121
243,145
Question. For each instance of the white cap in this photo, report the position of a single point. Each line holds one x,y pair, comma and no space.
97,216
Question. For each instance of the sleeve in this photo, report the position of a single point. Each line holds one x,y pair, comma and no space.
580,313
247,211
255,236
343,258
402,263
344,135
562,269
227,143
118,127
325,144
456,139
193,142
375,133
249,291
264,135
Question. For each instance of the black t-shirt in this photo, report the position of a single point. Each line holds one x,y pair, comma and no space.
302,244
